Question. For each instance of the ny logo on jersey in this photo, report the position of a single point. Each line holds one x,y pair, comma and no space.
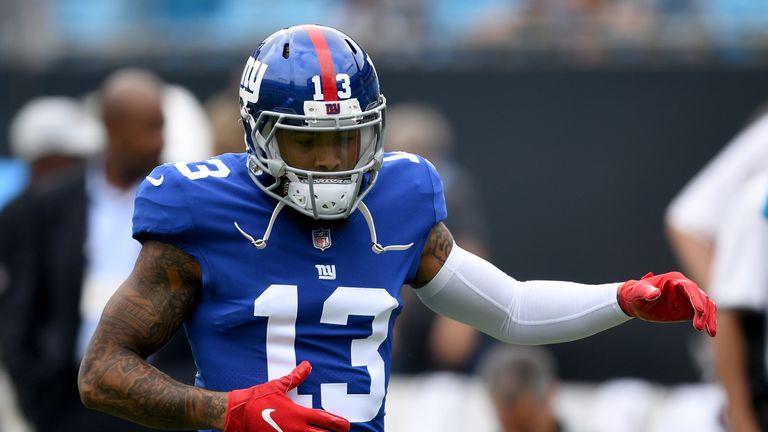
326,271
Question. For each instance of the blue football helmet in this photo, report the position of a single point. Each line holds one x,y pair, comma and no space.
312,79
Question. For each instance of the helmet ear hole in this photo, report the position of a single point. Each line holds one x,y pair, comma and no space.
351,46
286,50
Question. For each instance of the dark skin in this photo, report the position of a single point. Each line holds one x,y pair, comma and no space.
145,312
134,121
138,320
328,151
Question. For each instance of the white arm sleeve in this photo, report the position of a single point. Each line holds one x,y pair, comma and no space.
475,292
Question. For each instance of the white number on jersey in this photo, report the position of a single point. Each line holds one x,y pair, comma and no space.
202,170
279,303
402,155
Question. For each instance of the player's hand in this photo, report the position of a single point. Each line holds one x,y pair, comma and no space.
267,407
668,297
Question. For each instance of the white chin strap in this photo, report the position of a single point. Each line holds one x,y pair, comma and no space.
262,242
376,247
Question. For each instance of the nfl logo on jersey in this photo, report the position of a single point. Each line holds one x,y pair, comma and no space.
321,238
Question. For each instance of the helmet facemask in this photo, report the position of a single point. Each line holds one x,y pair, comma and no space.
327,192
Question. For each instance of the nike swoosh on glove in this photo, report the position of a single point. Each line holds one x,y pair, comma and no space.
267,407
668,297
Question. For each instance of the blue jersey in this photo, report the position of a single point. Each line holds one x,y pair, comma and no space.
317,292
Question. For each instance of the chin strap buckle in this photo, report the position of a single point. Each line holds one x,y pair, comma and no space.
262,242
376,247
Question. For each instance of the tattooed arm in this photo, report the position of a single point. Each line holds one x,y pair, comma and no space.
435,253
142,315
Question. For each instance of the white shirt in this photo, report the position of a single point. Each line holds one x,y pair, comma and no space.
700,207
110,249
740,264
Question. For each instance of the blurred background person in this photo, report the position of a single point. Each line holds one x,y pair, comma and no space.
437,350
78,250
694,219
696,213
187,134
48,134
716,231
739,282
522,383
431,342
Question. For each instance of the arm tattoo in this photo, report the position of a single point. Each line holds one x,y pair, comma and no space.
435,253
144,313
439,243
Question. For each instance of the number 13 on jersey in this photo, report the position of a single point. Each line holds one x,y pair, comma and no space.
279,303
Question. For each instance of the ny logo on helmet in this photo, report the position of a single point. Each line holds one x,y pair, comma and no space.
333,108
250,82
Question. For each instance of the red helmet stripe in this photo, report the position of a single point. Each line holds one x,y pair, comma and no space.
327,71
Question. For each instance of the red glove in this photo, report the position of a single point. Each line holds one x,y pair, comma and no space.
668,297
267,407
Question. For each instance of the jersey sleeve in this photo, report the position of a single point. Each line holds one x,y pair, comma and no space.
161,210
418,188
438,194
407,202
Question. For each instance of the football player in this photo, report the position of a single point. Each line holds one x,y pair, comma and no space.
294,252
